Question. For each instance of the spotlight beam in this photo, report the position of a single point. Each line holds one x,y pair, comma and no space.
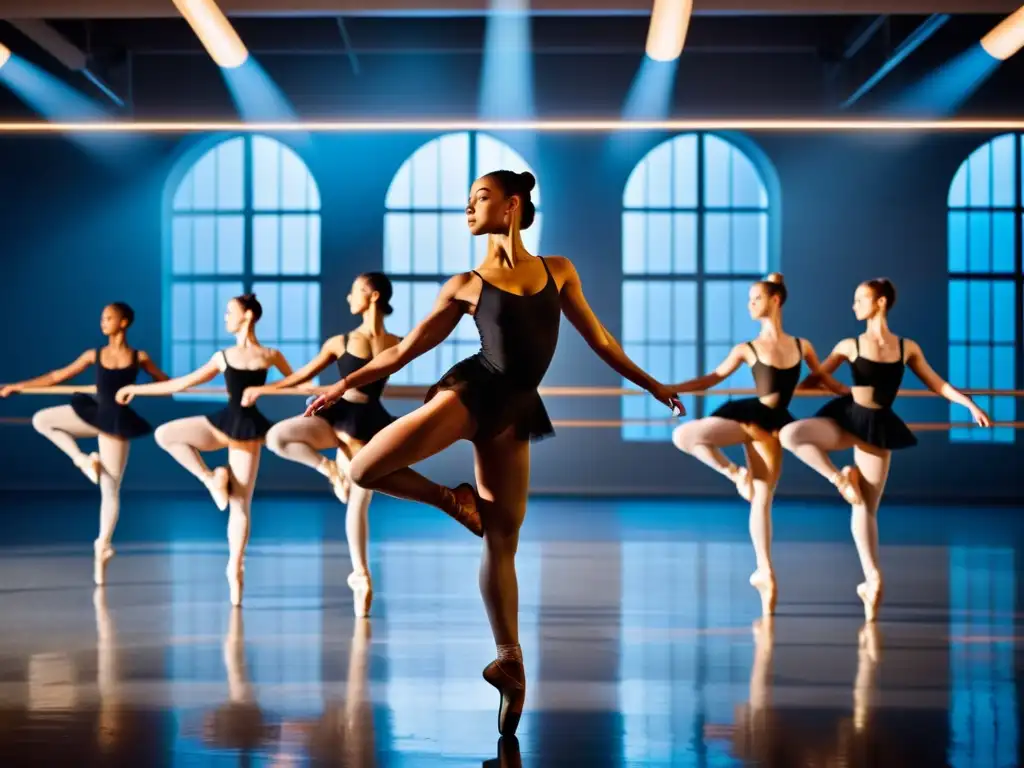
347,42
66,52
928,27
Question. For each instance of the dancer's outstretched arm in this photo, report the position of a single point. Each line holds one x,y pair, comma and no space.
431,331
328,353
172,386
149,366
917,363
578,311
820,375
736,357
57,376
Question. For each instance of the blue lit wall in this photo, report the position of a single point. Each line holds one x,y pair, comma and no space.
79,233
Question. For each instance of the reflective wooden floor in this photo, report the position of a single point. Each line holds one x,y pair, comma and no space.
638,628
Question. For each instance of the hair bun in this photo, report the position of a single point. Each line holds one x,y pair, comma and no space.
775,277
527,181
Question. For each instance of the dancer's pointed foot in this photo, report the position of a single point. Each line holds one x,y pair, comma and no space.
362,593
91,466
464,505
102,554
763,580
847,482
870,593
744,481
219,484
509,678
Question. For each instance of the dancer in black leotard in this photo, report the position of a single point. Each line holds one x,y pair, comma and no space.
237,427
348,424
754,422
101,417
490,399
865,421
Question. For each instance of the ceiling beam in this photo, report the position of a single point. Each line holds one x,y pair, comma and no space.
128,9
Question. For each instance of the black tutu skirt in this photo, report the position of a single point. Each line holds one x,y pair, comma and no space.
241,424
880,427
359,420
495,401
110,418
752,411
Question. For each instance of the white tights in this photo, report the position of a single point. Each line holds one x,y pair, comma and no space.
184,439
704,439
811,440
300,439
62,427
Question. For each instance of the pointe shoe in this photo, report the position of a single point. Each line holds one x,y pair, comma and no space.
219,485
362,593
847,482
509,678
744,483
870,593
467,508
338,480
91,467
102,555
236,583
764,582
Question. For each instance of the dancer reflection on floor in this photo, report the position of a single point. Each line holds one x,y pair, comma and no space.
490,399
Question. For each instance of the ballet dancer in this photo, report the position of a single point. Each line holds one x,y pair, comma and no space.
490,399
238,428
101,417
775,359
865,421
348,424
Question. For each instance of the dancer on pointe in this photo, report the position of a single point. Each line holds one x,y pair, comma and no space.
348,424
238,428
865,421
101,417
775,359
490,399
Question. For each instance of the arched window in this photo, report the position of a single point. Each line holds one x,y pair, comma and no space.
244,217
696,231
426,240
985,282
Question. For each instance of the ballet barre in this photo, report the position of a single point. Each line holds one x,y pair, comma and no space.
399,392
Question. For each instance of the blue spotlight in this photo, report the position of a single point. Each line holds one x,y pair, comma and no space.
506,79
946,89
650,95
256,95
48,95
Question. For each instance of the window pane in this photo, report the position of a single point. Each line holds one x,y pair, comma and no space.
684,312
313,244
294,246
747,189
980,246
204,245
957,242
400,192
425,256
230,244
957,310
398,243
456,244
749,242
634,243
266,174
231,175
266,244
635,195
633,320
717,243
1002,242
294,182
717,173
204,177
269,295
455,178
684,234
1003,312
684,171
181,245
979,177
426,177
958,189
659,243
1003,166
980,312
659,177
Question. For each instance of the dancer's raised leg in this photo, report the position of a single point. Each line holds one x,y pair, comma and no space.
62,427
184,439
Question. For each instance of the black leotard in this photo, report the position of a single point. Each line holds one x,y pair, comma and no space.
359,420
769,380
238,422
103,412
880,426
518,336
